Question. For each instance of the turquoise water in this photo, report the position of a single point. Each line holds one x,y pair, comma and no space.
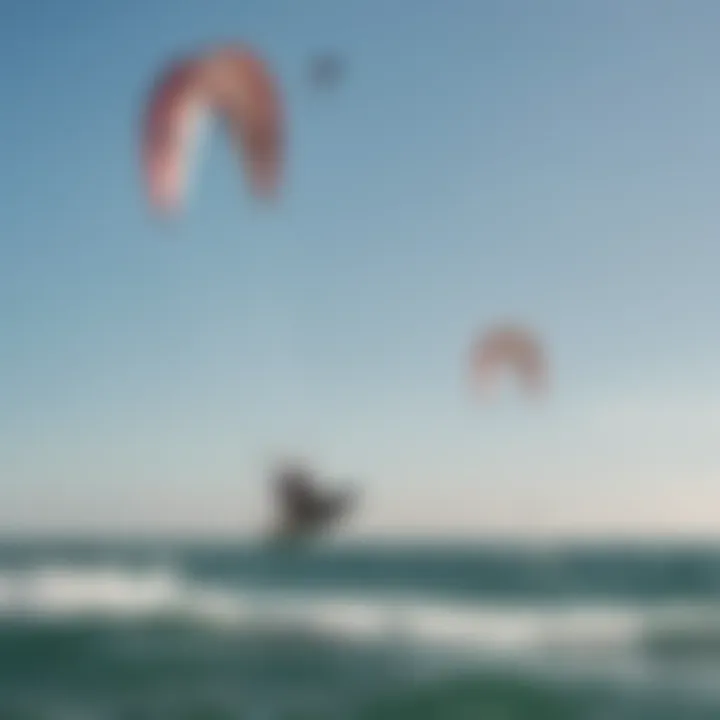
117,631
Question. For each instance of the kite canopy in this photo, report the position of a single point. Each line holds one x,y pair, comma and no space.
325,70
509,347
232,83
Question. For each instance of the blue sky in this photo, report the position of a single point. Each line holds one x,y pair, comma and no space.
557,163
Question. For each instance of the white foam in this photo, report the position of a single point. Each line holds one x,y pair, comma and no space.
62,592
59,590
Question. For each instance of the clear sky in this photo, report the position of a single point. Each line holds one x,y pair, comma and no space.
555,162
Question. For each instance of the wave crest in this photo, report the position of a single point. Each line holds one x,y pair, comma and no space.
59,592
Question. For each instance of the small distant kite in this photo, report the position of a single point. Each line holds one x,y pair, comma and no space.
509,347
326,71
231,82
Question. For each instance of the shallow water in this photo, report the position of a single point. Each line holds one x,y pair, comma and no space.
116,631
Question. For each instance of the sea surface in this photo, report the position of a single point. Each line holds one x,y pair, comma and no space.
112,630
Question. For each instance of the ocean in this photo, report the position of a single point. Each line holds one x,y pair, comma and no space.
155,630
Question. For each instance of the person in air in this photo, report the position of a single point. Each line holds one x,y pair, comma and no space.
305,510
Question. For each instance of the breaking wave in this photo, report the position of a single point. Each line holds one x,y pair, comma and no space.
59,592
